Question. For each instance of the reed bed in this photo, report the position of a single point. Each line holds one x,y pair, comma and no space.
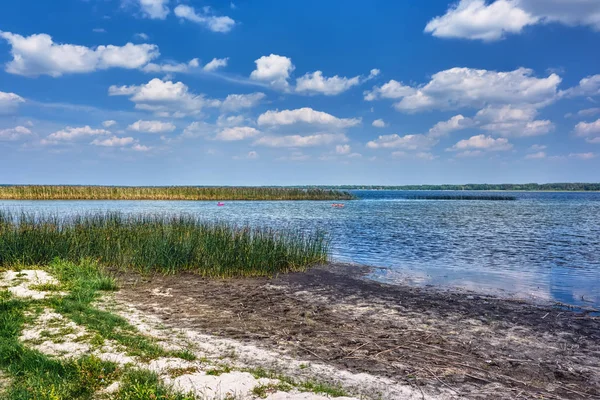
167,244
461,197
52,192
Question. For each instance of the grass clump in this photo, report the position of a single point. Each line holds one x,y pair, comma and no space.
156,243
52,192
142,385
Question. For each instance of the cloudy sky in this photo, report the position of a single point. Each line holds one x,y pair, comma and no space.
159,92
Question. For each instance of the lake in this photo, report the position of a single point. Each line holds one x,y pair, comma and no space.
544,246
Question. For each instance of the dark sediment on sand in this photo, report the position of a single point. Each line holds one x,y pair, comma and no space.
475,346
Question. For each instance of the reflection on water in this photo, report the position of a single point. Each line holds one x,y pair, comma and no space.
544,245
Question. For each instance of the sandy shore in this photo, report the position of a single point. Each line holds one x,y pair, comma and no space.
439,343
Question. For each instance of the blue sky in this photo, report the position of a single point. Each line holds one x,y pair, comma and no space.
172,92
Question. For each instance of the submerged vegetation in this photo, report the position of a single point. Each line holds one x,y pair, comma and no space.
461,197
157,243
50,192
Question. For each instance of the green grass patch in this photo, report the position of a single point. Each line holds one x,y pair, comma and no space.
303,386
143,385
148,243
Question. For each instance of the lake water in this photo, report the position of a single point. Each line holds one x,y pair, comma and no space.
544,245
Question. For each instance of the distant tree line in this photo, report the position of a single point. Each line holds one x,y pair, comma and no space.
546,187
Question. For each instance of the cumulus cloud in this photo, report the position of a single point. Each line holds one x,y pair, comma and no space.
164,98
589,86
216,63
152,126
589,130
140,147
205,18
252,155
456,123
513,121
237,133
171,67
113,141
274,70
408,142
316,83
154,9
13,134
234,102
379,123
141,36
489,21
109,123
9,102
70,134
305,115
482,142
536,147
316,140
39,55
471,88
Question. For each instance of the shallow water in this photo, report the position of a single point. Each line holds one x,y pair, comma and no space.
544,245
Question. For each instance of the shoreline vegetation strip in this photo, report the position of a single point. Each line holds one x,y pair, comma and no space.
158,243
56,192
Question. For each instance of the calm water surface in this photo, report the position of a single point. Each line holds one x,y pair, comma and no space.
544,245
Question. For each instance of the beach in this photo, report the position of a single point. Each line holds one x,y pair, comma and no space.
439,344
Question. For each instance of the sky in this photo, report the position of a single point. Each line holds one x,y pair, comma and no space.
190,92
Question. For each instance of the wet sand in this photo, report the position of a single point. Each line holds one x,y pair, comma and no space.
439,342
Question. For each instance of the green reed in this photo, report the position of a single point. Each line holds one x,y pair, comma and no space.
166,244
52,192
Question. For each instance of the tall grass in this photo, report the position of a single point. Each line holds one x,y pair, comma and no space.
157,243
39,192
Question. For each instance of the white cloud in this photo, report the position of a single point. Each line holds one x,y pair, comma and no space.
39,55
113,141
537,147
589,112
155,9
9,102
152,126
216,63
589,86
273,69
489,21
589,130
408,142
536,156
237,133
13,134
471,88
171,67
234,102
321,139
316,83
205,18
458,122
305,115
70,134
391,90
343,149
379,123
482,142
140,147
513,121
109,123
141,36
164,98
99,30
474,19
583,156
